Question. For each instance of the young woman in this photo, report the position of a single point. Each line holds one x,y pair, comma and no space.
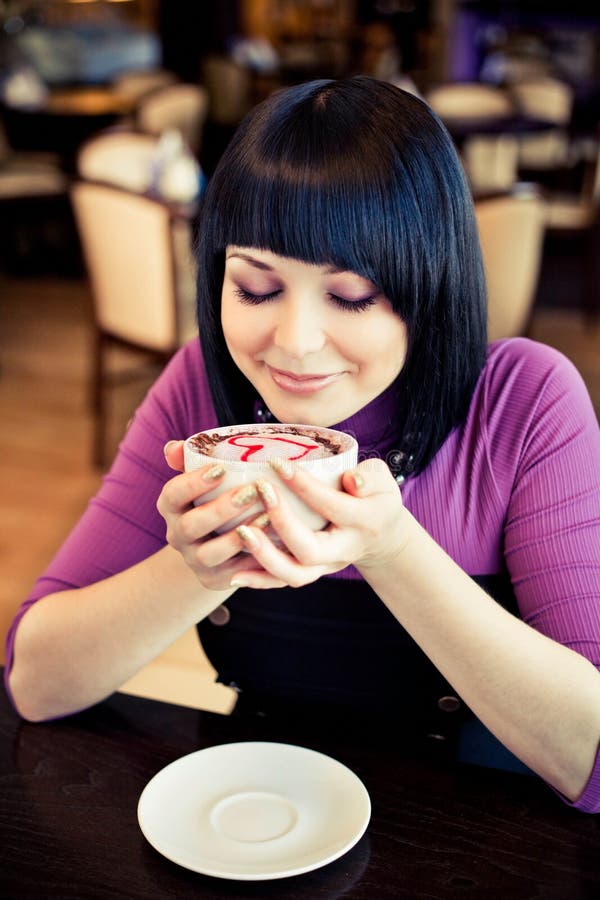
341,284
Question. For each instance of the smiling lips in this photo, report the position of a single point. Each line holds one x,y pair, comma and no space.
301,384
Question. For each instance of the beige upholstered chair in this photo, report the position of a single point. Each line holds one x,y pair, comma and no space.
183,107
135,84
122,158
511,232
142,275
550,99
490,160
469,99
161,166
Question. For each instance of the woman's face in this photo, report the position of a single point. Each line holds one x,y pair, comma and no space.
317,344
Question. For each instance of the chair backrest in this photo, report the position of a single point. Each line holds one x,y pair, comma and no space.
550,99
491,162
511,231
229,89
183,107
135,84
470,100
128,249
544,98
577,210
121,158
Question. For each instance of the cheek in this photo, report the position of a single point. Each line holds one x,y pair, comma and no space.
245,329
382,348
234,325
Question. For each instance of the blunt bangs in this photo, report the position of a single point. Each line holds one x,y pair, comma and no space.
363,176
319,180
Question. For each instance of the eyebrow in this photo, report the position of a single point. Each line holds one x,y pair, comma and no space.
258,264
252,260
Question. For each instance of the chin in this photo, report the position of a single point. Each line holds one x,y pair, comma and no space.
307,416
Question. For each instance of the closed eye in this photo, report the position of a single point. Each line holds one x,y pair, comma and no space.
358,305
254,299
353,305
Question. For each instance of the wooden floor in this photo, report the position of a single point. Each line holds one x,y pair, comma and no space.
46,475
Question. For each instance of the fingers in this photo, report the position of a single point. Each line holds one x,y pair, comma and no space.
332,504
180,492
292,531
173,451
216,551
190,524
372,476
277,568
369,478
356,516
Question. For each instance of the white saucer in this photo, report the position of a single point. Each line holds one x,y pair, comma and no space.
253,811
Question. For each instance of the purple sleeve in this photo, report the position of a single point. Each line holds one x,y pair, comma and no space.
121,525
552,526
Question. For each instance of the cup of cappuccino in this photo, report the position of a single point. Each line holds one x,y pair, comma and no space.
246,450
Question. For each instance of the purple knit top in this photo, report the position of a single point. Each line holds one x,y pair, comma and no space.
515,489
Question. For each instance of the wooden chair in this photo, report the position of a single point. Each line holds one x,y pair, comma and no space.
35,218
511,231
140,267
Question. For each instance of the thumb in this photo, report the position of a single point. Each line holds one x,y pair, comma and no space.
371,476
173,451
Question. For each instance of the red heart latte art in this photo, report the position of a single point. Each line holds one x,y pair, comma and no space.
258,448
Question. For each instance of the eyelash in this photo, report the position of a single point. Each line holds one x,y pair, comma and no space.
346,305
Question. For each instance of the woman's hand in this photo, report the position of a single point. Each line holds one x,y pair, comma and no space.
215,559
366,527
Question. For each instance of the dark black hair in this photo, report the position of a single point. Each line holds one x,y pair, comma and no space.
361,175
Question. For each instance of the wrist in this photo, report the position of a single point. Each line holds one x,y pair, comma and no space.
394,548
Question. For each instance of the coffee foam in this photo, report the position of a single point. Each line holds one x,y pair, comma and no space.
266,442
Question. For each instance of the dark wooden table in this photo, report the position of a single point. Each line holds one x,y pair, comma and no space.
67,119
69,792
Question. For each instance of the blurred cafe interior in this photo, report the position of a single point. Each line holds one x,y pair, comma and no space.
113,114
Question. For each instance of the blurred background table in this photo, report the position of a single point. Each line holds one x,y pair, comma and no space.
68,118
69,791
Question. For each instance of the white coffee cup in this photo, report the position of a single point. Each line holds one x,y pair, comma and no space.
327,468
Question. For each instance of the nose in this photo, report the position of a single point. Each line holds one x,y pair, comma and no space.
300,329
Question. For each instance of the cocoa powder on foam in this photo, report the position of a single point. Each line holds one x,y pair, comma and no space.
206,440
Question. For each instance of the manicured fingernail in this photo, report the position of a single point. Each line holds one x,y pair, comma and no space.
237,583
244,496
248,537
282,467
267,492
214,472
168,446
262,521
359,481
